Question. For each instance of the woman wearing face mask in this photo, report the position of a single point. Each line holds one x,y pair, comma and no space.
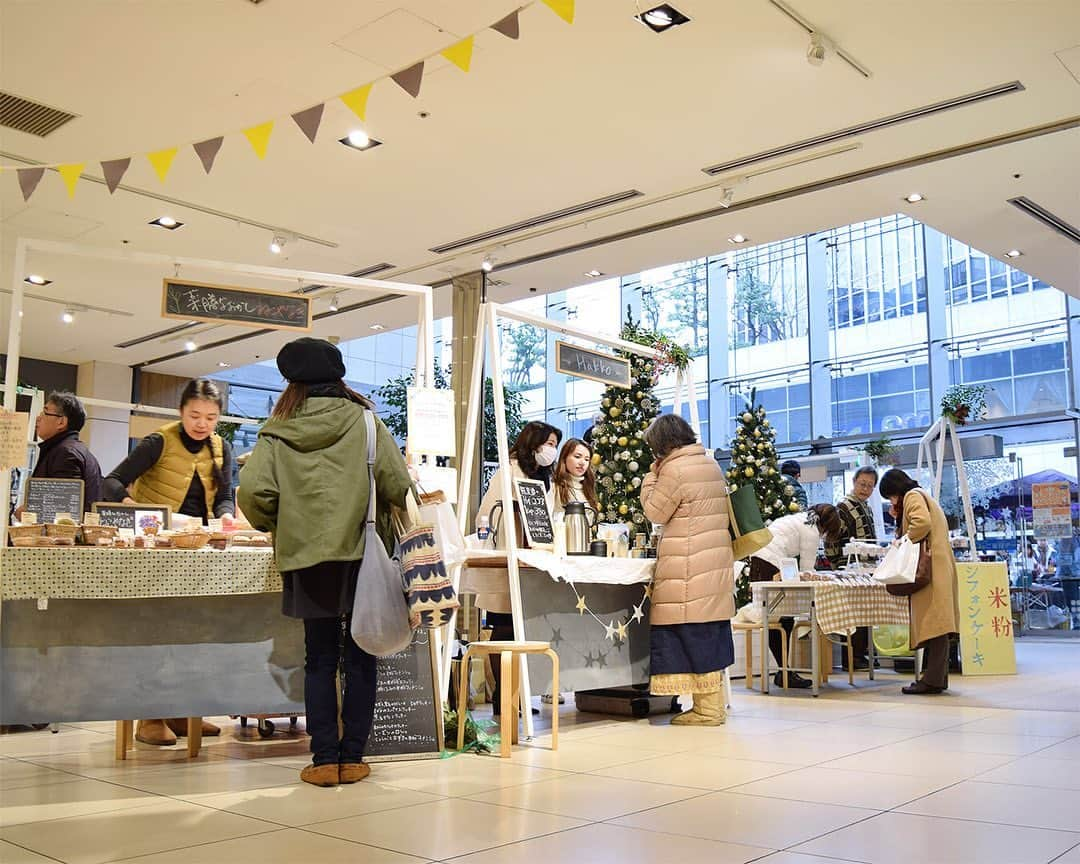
186,465
531,458
575,479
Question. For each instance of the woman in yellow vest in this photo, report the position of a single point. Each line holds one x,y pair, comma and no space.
187,466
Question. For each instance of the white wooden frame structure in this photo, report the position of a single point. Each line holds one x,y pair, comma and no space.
487,326
932,451
425,355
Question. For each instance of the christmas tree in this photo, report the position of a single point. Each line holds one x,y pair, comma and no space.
620,454
754,461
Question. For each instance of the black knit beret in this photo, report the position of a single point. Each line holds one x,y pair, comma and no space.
311,361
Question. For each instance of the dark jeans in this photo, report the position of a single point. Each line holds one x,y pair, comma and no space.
935,667
329,648
502,630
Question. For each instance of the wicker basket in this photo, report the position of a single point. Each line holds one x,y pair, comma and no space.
19,532
70,531
192,540
91,534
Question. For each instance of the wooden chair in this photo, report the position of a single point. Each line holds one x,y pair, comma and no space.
125,737
509,658
752,631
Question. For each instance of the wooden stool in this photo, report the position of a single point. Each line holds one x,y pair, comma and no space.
125,737
751,630
510,690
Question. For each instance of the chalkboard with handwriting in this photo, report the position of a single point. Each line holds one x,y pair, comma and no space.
48,496
594,365
408,715
225,304
535,515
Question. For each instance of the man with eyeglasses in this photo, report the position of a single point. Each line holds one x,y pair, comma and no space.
61,454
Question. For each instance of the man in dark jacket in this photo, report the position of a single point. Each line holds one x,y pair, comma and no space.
61,453
792,471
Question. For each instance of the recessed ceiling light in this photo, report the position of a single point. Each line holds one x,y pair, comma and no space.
223,365
358,139
736,238
378,326
35,279
1013,253
662,17
166,222
914,198
190,346
277,244
67,316
593,274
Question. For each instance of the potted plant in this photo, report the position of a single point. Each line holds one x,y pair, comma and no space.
964,403
882,451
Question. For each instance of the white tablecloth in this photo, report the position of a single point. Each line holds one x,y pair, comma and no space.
572,568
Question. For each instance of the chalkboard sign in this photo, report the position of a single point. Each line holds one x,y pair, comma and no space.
408,715
534,512
133,516
249,307
594,365
48,496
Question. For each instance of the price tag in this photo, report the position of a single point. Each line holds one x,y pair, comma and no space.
28,518
91,519
61,517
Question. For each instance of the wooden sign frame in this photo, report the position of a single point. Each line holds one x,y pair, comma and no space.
77,514
164,509
260,325
539,486
562,364
436,705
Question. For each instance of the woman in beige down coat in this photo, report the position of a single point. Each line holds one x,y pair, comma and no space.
693,587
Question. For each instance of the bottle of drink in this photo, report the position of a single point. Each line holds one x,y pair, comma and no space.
483,528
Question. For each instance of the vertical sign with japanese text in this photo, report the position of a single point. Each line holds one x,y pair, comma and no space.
1051,510
986,627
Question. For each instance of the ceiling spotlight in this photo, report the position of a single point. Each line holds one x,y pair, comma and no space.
1013,253
35,279
166,222
662,17
68,316
488,264
594,274
190,346
819,48
378,326
736,238
223,365
277,244
727,195
358,139
914,198
334,303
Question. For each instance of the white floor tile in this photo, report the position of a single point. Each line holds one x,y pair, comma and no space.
901,838
1041,723
1067,750
802,858
695,770
1036,771
227,775
578,755
63,800
460,775
1070,857
845,788
12,854
920,761
15,774
1027,806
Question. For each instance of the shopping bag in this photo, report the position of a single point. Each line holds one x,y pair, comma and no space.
435,509
429,591
748,531
899,564
380,618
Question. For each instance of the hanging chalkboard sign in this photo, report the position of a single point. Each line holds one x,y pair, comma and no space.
594,365
48,496
408,715
535,515
137,517
225,304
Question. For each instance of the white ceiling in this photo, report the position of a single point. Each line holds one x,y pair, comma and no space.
565,115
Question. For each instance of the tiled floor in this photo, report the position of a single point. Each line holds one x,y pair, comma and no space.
849,777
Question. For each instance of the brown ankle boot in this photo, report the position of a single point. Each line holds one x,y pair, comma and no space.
321,775
154,732
178,725
353,772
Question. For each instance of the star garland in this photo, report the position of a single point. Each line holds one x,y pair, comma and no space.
613,632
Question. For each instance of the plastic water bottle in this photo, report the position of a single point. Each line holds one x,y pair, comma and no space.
483,528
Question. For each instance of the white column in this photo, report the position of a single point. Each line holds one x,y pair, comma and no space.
106,430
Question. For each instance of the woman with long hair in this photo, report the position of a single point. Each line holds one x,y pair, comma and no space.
186,465
574,477
307,482
935,615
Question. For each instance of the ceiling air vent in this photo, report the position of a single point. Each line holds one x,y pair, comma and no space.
1048,219
535,221
31,117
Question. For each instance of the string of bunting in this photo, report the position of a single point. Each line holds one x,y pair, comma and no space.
307,120
613,631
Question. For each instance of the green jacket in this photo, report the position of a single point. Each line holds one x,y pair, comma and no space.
307,482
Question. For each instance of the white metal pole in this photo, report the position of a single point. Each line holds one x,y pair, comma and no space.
508,526
940,468
965,491
11,379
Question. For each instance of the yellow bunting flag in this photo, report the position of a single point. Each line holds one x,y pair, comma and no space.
259,137
71,174
356,100
162,161
460,54
563,8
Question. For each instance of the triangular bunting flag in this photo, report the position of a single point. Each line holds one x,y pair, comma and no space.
71,174
114,171
356,100
259,137
309,119
207,151
460,54
162,161
409,79
563,8
508,26
28,180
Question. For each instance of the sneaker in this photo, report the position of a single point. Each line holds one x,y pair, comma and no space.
795,681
